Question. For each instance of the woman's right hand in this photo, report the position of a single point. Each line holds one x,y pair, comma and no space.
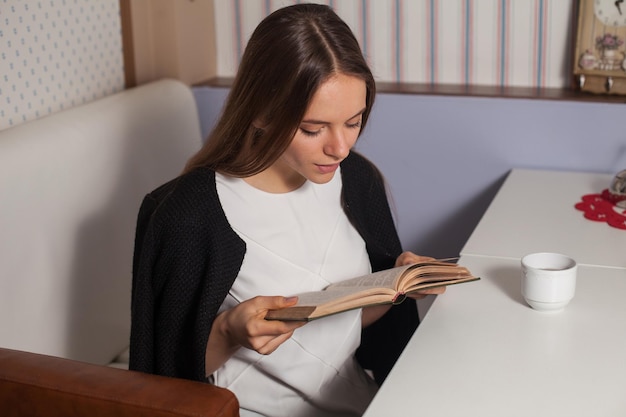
245,325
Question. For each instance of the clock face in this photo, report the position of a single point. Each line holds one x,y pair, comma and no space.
610,12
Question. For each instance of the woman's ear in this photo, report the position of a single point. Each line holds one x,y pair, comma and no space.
259,128
259,124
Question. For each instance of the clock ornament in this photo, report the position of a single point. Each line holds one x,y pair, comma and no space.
611,13
600,64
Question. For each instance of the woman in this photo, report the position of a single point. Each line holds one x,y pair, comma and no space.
274,204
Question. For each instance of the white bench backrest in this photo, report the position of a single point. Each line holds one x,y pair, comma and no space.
70,189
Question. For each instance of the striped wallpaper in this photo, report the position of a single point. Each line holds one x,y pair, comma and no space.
473,42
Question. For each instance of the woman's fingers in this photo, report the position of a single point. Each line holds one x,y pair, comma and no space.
273,343
250,329
418,295
408,258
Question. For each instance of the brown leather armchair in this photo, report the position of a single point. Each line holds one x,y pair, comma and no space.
39,385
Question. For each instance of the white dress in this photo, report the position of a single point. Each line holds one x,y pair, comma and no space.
296,242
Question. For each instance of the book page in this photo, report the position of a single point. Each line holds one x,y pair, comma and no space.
376,288
316,298
381,279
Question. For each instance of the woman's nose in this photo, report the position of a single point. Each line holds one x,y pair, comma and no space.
338,145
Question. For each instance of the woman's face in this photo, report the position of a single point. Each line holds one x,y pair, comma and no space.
328,131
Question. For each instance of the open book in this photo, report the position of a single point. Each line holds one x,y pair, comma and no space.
384,287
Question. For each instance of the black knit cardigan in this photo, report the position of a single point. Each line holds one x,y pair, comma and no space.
187,257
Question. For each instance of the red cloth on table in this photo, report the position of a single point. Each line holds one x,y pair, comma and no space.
602,208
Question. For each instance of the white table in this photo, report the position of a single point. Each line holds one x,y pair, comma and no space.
534,212
481,351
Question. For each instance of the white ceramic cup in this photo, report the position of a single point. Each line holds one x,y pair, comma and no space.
548,280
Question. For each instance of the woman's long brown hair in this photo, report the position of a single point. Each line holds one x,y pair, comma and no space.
289,55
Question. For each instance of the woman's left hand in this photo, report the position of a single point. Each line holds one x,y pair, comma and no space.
373,313
408,258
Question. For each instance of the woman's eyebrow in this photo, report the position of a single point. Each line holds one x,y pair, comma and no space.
322,122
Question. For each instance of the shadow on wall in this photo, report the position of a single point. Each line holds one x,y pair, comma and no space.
449,236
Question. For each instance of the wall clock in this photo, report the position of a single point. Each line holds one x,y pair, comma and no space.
600,55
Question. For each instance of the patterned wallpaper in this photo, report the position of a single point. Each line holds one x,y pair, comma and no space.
55,54
476,42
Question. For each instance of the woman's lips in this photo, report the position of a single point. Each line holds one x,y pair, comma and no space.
325,169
